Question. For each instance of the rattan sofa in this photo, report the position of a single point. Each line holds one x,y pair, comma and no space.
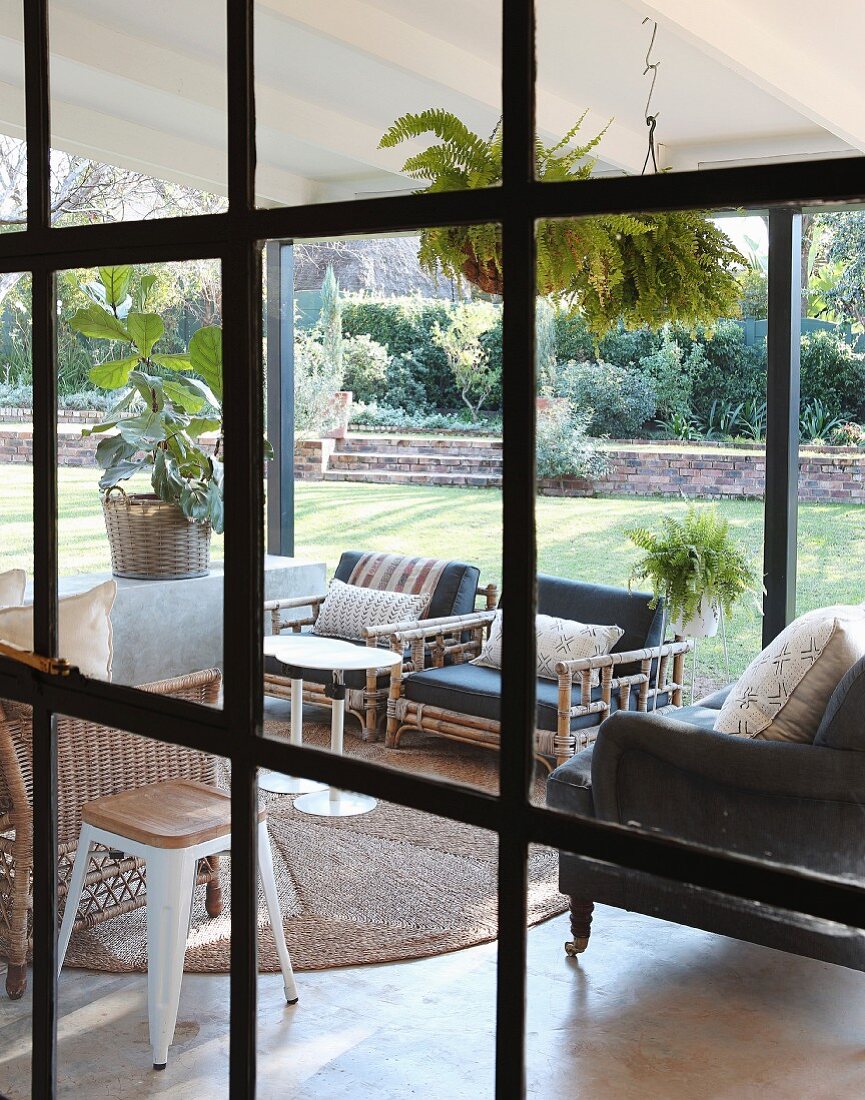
92,760
461,701
455,593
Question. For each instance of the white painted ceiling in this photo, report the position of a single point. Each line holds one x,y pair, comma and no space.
142,84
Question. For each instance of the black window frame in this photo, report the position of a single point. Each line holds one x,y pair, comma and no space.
236,731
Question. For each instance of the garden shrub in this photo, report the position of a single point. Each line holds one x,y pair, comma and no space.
620,399
563,444
385,416
832,372
727,369
573,339
316,380
404,388
670,374
364,364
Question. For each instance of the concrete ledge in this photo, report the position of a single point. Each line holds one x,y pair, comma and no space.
169,628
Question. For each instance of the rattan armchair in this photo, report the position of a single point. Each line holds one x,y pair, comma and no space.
455,594
92,760
462,701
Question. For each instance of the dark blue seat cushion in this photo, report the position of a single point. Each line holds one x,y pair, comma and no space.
472,689
453,595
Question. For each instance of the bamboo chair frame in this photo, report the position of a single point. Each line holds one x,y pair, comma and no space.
561,744
92,760
369,704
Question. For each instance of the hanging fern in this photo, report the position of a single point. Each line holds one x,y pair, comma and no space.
643,269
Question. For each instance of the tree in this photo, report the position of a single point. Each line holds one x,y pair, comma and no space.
469,361
843,258
330,322
545,344
83,191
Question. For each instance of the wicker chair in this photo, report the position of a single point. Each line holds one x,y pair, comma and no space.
461,701
455,593
92,760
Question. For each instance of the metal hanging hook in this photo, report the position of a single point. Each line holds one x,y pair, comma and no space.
651,119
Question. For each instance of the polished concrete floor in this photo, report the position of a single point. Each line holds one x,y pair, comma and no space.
651,1010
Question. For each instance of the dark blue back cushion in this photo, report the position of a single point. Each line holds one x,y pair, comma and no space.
843,724
601,605
454,594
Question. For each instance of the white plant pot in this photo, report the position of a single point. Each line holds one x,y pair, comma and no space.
703,623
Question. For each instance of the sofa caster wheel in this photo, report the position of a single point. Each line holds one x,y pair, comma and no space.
576,947
159,1065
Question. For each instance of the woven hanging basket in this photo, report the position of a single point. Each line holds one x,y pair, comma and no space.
153,540
485,276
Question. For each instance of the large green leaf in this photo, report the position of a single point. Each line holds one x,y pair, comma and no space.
113,450
179,361
166,480
98,323
150,388
116,282
144,330
122,471
144,431
217,508
184,395
145,285
200,425
114,374
205,351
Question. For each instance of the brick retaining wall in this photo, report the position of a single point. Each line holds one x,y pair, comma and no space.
826,475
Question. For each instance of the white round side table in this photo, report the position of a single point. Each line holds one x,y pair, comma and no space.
336,657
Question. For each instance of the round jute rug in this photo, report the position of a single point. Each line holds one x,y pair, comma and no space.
388,885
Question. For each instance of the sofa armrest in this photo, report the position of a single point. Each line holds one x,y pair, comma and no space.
275,608
795,803
410,631
439,638
605,664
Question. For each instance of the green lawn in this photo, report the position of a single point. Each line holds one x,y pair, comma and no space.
576,538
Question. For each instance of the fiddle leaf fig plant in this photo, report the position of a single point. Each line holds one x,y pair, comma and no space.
167,401
643,269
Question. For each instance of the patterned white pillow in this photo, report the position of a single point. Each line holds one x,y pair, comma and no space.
783,693
348,609
556,640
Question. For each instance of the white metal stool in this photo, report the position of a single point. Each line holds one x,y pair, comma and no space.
171,825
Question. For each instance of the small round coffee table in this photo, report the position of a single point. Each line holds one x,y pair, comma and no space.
337,657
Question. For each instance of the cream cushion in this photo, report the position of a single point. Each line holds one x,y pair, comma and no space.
348,609
85,629
12,585
783,693
556,640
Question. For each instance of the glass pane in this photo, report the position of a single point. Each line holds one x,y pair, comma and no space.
832,362
16,569
140,459
654,1002
138,111
721,93
393,389
413,890
651,435
13,153
332,81
131,926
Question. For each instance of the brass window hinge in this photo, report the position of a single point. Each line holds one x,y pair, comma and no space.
54,666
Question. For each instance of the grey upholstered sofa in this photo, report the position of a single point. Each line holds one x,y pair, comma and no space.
794,803
462,701
455,593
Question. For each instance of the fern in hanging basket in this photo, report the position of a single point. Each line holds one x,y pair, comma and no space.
642,269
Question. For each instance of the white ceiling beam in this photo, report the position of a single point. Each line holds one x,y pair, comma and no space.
399,44
90,43
777,56
107,139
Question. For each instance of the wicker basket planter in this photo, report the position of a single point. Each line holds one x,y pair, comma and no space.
152,540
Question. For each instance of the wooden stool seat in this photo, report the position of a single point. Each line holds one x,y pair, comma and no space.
178,813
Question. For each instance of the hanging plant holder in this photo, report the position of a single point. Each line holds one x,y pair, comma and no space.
484,274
